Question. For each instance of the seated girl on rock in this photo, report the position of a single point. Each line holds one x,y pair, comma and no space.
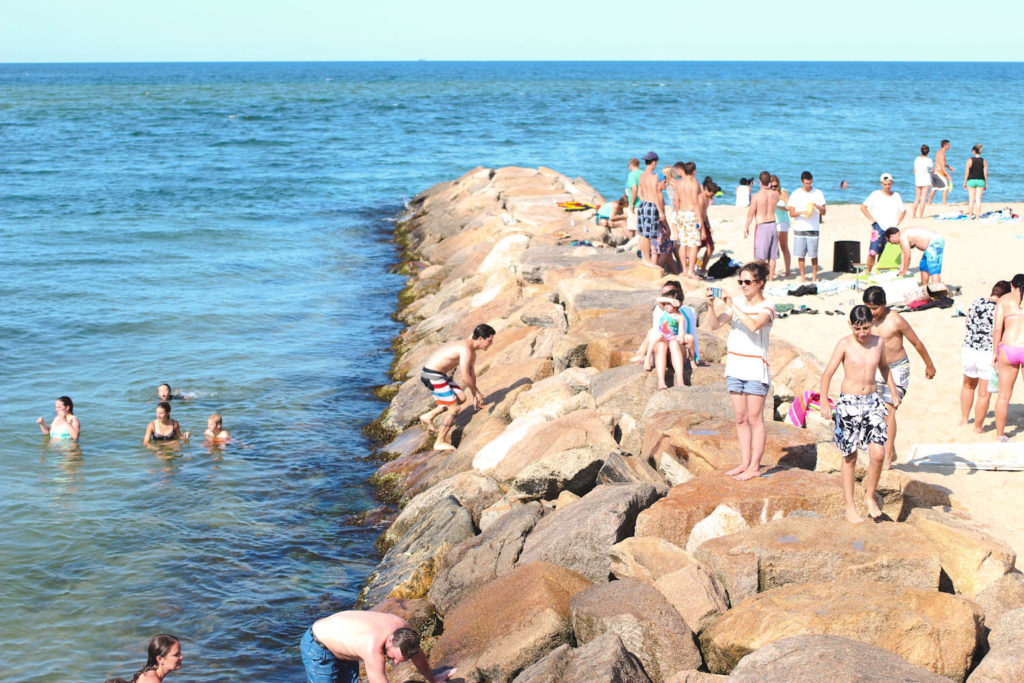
664,339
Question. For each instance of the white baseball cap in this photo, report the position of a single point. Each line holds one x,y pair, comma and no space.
884,177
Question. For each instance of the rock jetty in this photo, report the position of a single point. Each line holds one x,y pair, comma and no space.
583,529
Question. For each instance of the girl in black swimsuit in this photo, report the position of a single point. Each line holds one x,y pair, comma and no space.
163,428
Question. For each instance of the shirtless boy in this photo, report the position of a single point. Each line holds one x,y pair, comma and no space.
944,170
449,397
650,212
709,189
333,647
931,243
860,416
687,225
766,235
893,328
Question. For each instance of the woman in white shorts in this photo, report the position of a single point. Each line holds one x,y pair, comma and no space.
977,355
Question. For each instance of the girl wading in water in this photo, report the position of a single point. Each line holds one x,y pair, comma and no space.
746,365
65,425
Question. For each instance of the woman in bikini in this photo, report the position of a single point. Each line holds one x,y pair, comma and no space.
163,429
1008,344
65,425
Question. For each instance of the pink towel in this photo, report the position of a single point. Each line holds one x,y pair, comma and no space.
809,400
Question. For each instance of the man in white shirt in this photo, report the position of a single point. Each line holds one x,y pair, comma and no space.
806,207
885,209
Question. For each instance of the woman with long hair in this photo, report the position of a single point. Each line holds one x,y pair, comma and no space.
746,365
1008,348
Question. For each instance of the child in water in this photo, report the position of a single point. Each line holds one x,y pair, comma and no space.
215,431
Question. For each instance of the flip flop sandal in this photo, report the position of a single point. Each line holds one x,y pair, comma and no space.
782,315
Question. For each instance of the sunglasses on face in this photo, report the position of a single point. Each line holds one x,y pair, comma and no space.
745,282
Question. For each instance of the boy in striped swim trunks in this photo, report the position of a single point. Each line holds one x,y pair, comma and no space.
438,376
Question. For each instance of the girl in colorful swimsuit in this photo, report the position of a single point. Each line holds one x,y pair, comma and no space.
646,353
1008,343
163,429
672,340
65,425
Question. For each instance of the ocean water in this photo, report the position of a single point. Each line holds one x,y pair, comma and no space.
225,227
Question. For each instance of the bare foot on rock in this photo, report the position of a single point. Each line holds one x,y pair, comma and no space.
443,447
872,505
428,426
748,474
852,517
736,470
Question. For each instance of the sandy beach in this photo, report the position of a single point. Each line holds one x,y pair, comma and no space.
977,255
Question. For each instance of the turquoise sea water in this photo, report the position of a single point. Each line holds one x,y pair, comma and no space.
224,228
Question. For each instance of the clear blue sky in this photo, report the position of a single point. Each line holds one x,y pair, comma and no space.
283,30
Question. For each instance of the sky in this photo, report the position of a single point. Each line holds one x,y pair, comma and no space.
360,30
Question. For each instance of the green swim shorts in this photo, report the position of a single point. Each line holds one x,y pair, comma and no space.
976,182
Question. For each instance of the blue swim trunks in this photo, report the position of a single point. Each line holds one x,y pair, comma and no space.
931,260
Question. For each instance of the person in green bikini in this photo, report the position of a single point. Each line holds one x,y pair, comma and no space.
65,425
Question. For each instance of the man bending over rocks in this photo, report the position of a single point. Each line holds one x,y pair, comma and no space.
449,396
333,647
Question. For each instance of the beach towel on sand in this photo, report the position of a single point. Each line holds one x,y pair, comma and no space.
809,400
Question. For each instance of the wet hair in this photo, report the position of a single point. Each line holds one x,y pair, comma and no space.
159,646
68,403
874,295
1000,288
860,314
634,162
483,331
765,178
806,175
977,148
407,641
217,417
165,384
1018,281
757,269
925,149
165,405
943,143
889,232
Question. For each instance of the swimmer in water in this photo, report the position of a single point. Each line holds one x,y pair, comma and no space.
215,431
165,393
163,428
65,425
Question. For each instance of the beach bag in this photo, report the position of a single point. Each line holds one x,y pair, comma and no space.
809,400
723,268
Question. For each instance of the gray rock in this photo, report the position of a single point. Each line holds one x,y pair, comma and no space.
537,259
648,625
472,490
706,398
603,660
580,535
623,468
408,568
572,470
827,658
1007,593
1004,662
478,560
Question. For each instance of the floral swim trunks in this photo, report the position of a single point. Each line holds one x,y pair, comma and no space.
688,228
860,420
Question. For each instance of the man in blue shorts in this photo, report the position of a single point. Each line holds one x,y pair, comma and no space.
931,243
333,647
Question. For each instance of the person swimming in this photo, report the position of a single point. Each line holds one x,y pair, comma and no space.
163,428
215,429
165,393
65,425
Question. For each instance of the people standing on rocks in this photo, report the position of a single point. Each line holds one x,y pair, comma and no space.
437,376
975,181
884,208
333,647
932,244
922,182
65,426
709,188
976,355
806,207
746,365
1008,342
163,429
687,223
893,329
651,222
782,222
859,413
761,212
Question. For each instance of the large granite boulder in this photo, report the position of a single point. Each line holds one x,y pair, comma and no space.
933,630
408,568
483,558
580,536
648,625
794,371
647,558
1004,594
572,470
723,521
580,429
622,468
706,443
1004,662
419,612
801,550
604,659
817,657
472,490
759,500
971,557
553,396
621,394
695,594
509,623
